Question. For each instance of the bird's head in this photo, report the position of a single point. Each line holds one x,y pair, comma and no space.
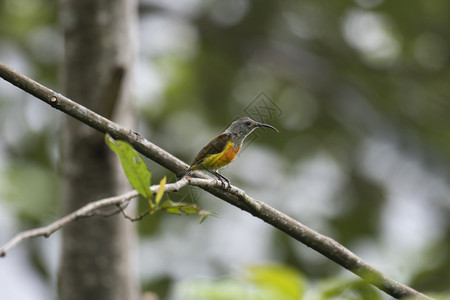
242,127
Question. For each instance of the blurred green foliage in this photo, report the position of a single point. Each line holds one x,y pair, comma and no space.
364,94
274,282
258,282
31,191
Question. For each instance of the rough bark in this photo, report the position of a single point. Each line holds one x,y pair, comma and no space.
98,47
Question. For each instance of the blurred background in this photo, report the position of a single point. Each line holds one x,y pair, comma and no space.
358,89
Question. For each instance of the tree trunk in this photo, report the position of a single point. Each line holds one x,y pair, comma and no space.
96,73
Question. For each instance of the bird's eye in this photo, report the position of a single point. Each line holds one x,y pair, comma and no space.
248,123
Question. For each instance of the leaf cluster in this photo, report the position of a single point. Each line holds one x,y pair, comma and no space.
139,178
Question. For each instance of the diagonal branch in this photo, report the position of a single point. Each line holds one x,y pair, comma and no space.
322,244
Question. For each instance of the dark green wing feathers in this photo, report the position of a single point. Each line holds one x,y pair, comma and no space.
215,146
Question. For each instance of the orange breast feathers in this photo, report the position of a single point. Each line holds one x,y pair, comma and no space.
221,159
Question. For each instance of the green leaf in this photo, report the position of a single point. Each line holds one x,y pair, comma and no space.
287,282
264,282
205,214
160,192
133,165
338,288
222,289
180,207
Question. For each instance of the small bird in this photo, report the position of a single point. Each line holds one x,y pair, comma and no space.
222,150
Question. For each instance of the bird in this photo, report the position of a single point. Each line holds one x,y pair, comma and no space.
222,150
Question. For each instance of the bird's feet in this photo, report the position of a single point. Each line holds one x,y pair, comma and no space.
225,182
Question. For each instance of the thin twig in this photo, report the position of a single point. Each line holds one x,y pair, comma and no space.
88,210
140,217
111,212
84,211
326,246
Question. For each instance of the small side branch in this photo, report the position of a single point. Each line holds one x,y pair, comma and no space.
91,209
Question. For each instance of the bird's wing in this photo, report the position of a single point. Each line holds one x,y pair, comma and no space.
216,145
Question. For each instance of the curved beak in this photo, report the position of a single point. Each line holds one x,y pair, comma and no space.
267,125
